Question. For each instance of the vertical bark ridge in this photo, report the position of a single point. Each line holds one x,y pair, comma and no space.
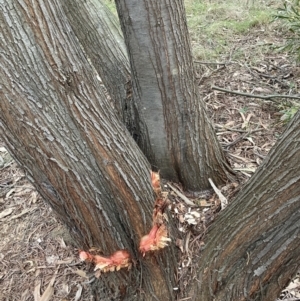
183,143
257,254
99,33
59,126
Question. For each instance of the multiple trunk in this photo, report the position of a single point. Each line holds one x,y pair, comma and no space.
177,136
163,113
252,250
99,33
57,123
59,126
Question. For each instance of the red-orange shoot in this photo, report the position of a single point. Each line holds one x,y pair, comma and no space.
155,240
86,256
155,180
118,260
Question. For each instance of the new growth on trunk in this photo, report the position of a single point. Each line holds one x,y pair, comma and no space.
155,240
58,124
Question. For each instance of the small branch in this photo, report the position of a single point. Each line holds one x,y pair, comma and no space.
220,126
222,198
187,240
182,196
267,97
211,63
242,137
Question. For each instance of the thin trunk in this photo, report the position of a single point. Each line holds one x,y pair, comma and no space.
57,123
252,250
183,144
99,33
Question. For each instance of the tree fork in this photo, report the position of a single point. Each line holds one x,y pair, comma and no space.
57,123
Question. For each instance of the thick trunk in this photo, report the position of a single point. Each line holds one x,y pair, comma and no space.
252,250
99,33
58,125
182,142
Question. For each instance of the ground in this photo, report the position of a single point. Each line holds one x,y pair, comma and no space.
38,261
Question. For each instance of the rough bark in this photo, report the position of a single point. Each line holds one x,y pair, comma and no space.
99,33
57,123
252,250
183,144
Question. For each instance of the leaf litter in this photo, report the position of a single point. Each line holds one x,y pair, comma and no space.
37,259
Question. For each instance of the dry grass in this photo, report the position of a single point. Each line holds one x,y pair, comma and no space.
214,25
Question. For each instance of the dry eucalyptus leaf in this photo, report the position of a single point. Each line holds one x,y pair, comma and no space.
9,193
25,295
62,243
195,213
246,169
6,212
181,218
203,203
81,273
251,140
98,274
66,288
36,293
191,221
179,244
51,259
33,197
78,293
66,260
25,211
21,191
49,291
292,285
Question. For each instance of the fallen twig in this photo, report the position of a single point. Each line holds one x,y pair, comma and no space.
212,63
237,130
22,213
222,198
267,97
240,138
182,196
187,240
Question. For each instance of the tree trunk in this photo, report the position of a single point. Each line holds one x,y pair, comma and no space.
252,250
182,141
57,123
99,33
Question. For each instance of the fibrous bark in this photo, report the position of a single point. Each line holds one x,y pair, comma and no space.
99,33
182,144
55,120
252,250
